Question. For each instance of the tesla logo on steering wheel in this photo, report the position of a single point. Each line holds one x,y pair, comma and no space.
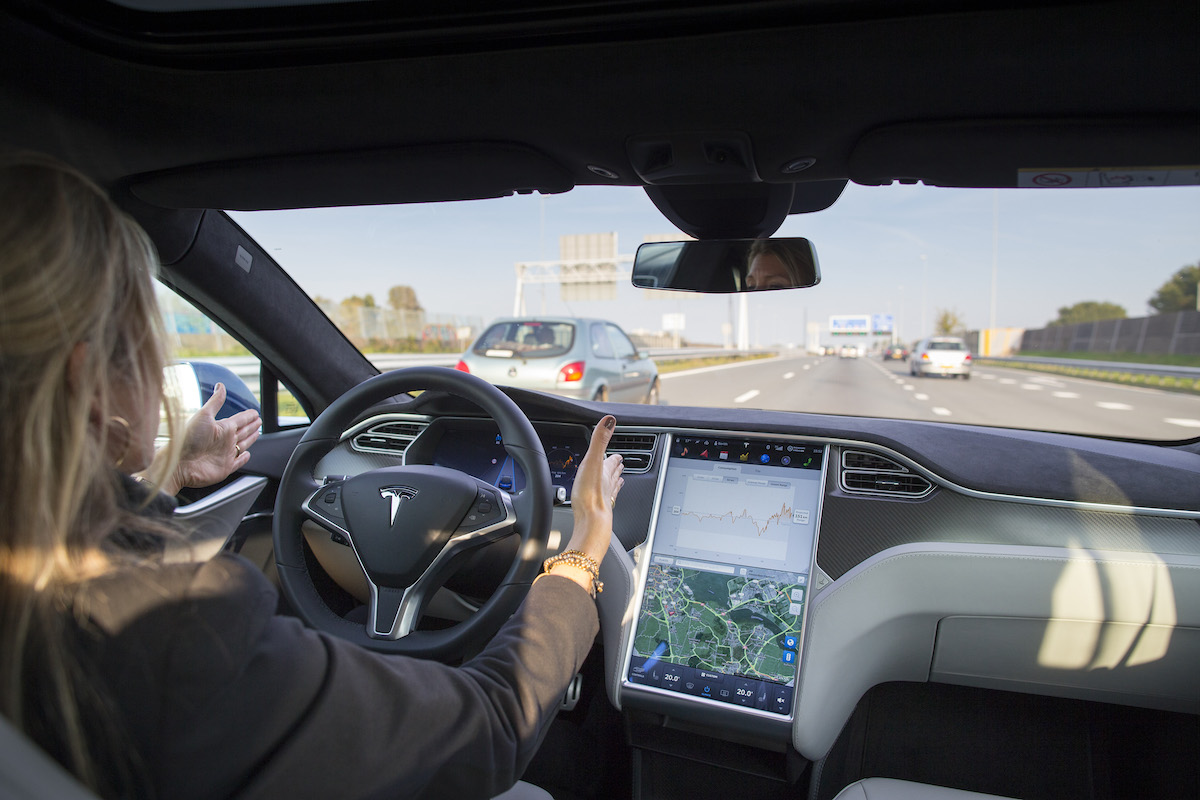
397,494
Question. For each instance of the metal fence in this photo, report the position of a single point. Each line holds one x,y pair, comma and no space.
1176,333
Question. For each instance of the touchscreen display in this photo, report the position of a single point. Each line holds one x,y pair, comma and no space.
726,585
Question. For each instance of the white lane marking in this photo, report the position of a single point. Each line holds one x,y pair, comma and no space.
1007,381
807,366
1066,395
909,387
750,395
1032,387
921,396
1115,406
941,412
1046,381
732,365
787,376
1186,423
987,376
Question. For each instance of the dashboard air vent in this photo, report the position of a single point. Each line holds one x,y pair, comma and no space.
390,438
637,450
871,473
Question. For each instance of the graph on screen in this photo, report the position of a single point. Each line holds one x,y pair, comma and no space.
753,518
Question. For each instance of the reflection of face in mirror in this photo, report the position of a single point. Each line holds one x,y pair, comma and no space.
776,265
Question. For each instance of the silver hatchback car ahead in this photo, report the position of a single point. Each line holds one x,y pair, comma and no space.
941,355
588,359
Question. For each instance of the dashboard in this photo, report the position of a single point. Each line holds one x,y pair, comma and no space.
477,448
794,569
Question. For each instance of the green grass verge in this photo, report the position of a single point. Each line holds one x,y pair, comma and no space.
1166,382
680,364
1125,358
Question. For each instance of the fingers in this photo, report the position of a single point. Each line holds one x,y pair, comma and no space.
242,460
613,465
214,403
600,437
245,419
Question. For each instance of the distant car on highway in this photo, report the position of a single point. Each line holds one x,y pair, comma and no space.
895,353
588,359
848,351
941,355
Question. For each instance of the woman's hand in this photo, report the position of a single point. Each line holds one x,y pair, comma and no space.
214,449
595,493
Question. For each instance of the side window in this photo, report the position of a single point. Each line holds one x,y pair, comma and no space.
620,342
192,336
601,347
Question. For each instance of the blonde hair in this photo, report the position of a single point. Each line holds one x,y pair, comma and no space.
795,259
73,269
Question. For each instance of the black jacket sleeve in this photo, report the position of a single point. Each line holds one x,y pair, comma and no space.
227,699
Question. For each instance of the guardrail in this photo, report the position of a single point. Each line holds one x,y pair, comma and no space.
1163,370
247,367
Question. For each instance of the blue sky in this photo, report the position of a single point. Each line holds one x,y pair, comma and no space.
890,249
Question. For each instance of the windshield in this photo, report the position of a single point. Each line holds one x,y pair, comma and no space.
1077,307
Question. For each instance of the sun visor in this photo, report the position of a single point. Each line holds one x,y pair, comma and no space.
462,171
1006,153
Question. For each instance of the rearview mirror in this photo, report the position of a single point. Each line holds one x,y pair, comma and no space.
723,266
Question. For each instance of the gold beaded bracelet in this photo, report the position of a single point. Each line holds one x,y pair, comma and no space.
581,560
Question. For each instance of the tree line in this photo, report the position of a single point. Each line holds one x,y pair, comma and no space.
1179,293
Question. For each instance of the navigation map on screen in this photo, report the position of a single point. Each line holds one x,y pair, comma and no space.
725,591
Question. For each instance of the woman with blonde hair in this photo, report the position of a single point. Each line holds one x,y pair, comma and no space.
146,679
81,361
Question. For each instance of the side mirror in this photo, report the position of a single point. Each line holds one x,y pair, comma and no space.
193,382
723,266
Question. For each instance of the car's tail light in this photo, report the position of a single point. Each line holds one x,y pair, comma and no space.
924,356
967,358
571,372
461,366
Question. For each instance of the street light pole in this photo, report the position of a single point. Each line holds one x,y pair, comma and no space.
924,294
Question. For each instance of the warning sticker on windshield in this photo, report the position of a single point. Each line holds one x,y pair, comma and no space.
1108,176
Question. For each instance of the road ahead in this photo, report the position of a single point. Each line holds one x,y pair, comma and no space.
994,396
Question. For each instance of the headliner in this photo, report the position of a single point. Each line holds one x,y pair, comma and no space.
349,104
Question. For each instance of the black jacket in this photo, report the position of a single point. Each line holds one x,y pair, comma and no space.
224,698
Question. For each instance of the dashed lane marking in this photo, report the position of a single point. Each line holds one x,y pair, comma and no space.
941,412
909,387
787,376
1115,406
750,395
1007,381
1066,395
1032,387
1185,423
921,396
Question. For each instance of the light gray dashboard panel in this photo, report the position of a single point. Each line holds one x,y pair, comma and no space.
855,528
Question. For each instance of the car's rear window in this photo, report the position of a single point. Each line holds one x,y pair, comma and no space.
526,339
947,346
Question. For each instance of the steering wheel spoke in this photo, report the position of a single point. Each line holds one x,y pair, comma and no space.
324,507
491,517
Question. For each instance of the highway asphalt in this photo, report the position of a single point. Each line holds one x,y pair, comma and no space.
993,396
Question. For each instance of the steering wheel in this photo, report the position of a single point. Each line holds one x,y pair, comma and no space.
411,526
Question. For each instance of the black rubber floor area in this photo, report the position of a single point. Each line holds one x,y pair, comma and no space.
1015,745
